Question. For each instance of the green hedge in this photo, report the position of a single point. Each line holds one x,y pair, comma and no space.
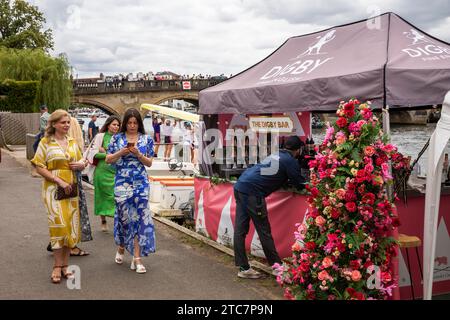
18,96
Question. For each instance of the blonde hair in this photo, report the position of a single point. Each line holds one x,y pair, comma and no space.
54,118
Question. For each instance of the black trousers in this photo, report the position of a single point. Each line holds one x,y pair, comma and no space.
254,208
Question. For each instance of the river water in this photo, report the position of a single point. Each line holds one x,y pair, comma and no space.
410,139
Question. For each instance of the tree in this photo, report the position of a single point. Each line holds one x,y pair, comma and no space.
53,74
21,26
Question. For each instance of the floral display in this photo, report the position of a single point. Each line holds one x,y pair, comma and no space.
344,247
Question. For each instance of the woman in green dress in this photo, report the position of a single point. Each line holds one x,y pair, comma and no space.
104,173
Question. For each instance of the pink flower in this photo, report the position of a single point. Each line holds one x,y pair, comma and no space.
323,275
366,113
329,134
304,256
327,262
369,151
389,148
320,221
340,193
356,275
296,246
340,138
353,128
360,124
385,171
369,168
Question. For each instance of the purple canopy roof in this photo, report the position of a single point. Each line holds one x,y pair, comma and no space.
384,59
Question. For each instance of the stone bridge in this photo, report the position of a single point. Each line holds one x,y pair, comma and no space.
116,97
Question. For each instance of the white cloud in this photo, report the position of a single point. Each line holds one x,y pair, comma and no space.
208,37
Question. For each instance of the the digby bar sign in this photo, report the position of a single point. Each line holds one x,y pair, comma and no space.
270,124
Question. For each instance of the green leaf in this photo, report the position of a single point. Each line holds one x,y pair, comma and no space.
355,155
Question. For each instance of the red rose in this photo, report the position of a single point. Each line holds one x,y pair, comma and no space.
359,296
355,264
304,267
350,196
386,277
395,222
349,109
361,175
350,291
350,113
311,245
288,295
341,122
335,213
314,192
362,188
368,198
367,264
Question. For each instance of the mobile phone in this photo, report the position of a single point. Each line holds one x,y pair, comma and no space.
130,144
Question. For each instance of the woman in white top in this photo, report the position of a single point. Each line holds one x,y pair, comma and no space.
166,132
188,143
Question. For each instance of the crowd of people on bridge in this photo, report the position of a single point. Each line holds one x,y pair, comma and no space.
117,81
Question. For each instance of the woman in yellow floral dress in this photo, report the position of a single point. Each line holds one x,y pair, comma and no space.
56,159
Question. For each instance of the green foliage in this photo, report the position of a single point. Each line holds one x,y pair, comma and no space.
52,74
22,26
18,96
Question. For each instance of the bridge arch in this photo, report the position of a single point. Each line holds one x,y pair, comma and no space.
191,98
108,109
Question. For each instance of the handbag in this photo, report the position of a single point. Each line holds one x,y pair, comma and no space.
90,154
60,194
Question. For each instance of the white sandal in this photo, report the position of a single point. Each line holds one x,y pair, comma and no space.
119,257
139,267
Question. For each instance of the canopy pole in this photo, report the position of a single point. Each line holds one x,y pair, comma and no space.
387,131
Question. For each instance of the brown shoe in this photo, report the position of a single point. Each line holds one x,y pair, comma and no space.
56,278
77,252
65,274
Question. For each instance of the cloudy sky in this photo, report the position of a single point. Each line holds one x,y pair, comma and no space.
206,36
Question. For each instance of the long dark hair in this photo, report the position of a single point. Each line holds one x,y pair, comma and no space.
132,113
108,122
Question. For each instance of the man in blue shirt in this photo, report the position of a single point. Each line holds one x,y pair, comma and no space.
92,129
250,191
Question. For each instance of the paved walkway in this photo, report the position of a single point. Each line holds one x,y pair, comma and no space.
182,268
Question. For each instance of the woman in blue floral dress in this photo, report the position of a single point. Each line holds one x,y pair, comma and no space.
130,151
